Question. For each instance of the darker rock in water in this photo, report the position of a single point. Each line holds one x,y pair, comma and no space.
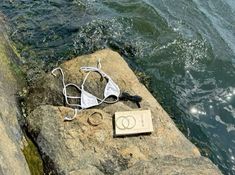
45,91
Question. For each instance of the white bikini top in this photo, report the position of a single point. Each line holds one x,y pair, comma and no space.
87,99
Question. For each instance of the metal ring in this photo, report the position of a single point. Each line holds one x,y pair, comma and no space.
127,122
91,120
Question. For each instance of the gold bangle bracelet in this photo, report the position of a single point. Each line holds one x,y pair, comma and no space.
92,121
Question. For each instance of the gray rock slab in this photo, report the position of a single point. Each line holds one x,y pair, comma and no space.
12,160
77,147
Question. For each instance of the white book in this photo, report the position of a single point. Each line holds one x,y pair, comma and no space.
133,122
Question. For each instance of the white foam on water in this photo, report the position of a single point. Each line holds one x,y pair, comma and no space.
230,127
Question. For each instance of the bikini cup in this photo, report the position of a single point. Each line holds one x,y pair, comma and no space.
111,88
87,100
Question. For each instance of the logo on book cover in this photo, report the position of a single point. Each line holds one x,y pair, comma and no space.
125,122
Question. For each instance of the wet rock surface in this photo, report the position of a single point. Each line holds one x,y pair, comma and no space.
169,165
77,147
12,141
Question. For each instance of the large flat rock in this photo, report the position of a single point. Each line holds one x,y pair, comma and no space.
76,147
12,160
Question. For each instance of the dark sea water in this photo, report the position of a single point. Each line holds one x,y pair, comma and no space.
185,47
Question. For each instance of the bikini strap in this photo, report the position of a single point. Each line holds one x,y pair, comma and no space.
65,88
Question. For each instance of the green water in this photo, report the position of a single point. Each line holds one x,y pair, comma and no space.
186,47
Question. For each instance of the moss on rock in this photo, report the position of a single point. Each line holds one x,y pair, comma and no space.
33,158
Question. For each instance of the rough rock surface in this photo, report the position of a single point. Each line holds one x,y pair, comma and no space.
12,160
76,147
